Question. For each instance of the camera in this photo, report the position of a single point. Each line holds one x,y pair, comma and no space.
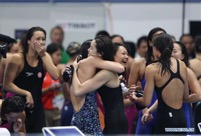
139,94
68,73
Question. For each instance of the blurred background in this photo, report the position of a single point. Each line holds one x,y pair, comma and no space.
82,19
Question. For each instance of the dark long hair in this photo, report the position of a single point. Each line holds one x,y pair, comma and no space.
184,52
164,44
28,36
84,48
105,47
149,39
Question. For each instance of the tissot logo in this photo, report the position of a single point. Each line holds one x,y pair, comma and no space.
29,74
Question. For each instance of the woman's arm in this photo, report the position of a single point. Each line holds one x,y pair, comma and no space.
194,87
90,85
147,116
134,73
47,61
10,74
107,65
133,79
149,87
185,77
50,67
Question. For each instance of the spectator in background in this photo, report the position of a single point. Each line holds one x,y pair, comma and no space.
57,36
117,39
51,90
103,32
188,41
142,47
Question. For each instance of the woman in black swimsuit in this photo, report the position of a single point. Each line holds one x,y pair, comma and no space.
168,77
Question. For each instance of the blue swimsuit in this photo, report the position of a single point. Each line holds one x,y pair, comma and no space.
149,127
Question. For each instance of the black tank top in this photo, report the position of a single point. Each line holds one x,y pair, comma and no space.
115,117
31,79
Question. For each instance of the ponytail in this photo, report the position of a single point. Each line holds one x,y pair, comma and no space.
165,60
164,45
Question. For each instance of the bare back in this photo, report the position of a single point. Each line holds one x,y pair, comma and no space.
171,84
85,72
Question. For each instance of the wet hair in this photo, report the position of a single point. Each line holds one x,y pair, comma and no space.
52,48
149,39
103,32
28,36
197,43
84,48
139,41
105,47
184,52
164,44
116,47
13,104
57,27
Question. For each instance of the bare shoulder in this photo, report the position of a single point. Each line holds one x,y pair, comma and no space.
193,62
152,67
138,62
182,64
16,58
